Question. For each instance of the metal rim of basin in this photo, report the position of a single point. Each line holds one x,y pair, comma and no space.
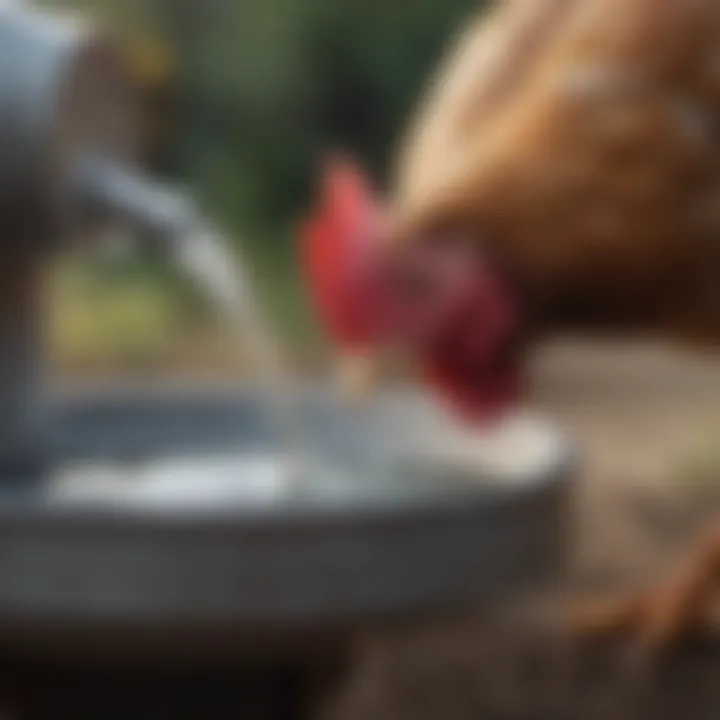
119,577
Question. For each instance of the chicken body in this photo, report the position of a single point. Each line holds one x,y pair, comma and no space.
579,142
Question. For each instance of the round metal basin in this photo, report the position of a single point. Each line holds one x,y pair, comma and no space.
102,554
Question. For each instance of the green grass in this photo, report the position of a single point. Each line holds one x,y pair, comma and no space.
139,314
100,321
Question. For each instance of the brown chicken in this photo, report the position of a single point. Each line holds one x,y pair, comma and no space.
564,171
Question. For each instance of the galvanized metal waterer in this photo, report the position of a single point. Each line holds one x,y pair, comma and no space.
110,608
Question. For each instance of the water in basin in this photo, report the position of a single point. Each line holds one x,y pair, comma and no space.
414,452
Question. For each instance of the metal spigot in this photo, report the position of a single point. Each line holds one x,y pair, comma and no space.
64,96
116,191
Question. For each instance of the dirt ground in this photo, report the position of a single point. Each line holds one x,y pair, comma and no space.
642,415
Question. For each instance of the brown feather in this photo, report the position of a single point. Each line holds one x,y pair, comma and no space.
580,140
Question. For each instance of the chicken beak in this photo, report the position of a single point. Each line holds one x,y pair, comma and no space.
358,376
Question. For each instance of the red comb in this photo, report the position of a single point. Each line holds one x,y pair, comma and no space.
333,241
461,334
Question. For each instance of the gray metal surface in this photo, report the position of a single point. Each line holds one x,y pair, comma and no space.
22,414
112,579
63,93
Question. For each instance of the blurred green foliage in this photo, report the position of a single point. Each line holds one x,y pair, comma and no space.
264,87
260,90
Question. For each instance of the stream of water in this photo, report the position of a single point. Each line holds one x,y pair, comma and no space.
204,254
206,258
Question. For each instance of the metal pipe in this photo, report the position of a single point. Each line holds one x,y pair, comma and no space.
119,192
63,95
